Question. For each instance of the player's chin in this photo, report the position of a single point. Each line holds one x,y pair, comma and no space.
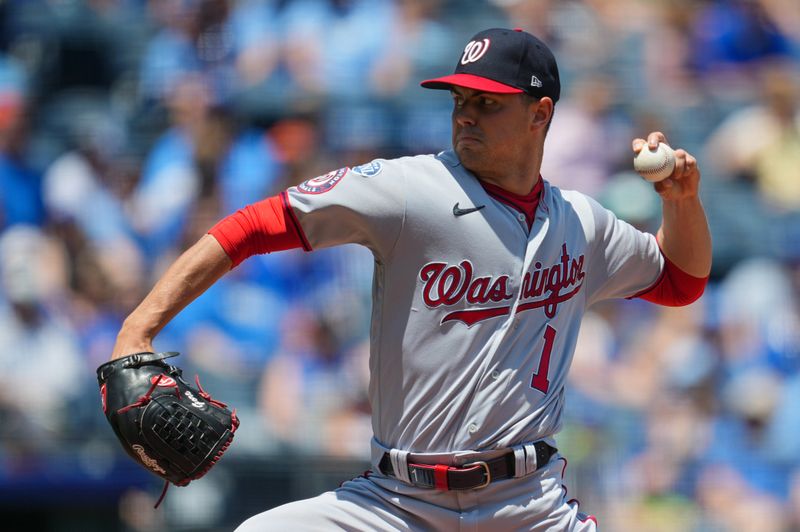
468,151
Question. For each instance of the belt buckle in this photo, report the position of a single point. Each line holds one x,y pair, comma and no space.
485,467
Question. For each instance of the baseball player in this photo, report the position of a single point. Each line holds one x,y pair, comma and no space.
483,271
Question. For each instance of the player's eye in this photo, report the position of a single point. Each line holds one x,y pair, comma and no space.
458,100
488,101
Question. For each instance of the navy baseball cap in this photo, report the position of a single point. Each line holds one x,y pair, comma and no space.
504,61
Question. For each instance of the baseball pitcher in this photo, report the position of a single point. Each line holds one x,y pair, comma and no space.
483,271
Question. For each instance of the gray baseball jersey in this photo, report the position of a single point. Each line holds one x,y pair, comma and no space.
475,317
474,322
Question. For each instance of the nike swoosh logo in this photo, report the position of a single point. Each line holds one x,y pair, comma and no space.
462,212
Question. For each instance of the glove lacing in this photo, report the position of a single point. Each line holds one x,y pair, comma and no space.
143,400
207,396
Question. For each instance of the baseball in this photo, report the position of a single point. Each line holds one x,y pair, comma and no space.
655,165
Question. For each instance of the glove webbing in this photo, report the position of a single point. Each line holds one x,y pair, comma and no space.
198,446
234,426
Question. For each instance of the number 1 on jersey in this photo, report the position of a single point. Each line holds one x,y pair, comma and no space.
540,380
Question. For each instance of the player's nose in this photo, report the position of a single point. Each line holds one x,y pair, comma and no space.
464,116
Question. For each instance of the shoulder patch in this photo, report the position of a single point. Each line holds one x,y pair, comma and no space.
368,170
323,183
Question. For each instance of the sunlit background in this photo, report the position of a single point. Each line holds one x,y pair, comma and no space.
128,127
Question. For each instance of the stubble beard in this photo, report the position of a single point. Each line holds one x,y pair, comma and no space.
473,160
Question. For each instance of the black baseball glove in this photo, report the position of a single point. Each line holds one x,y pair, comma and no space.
173,429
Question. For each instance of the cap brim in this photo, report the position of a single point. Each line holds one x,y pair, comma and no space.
470,81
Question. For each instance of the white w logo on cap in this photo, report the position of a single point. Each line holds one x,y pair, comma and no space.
474,51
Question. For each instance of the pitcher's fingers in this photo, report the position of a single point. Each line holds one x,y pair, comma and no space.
691,164
654,138
680,163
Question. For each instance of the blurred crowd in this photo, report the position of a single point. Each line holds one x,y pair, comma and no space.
129,127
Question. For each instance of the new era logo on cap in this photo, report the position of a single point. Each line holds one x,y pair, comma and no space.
504,61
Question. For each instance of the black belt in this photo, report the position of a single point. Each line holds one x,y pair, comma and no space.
473,475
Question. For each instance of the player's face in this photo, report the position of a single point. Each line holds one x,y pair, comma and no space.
492,133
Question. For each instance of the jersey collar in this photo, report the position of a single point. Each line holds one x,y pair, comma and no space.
449,158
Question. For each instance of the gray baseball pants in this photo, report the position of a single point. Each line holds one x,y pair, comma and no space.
536,502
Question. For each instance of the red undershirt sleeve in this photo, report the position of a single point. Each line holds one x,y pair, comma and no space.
675,287
263,227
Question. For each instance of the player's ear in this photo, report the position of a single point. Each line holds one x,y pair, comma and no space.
541,112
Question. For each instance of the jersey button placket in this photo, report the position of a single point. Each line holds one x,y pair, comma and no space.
472,428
